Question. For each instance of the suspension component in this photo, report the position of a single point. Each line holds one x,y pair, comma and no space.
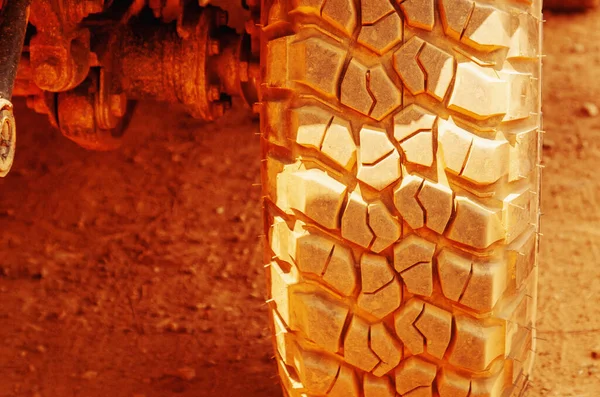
191,57
197,62
12,35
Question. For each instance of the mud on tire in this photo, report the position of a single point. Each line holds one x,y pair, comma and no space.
400,169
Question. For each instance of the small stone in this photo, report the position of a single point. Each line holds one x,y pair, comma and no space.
186,373
220,210
596,353
590,109
89,375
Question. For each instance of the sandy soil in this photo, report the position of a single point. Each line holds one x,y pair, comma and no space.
138,272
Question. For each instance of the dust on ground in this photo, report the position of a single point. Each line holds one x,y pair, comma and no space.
138,272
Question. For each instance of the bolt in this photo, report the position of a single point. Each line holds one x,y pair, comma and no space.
214,94
214,47
221,18
256,107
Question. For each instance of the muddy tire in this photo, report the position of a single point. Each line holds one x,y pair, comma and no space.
401,149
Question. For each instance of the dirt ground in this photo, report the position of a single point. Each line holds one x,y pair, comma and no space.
138,272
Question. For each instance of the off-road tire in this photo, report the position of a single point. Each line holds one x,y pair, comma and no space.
401,171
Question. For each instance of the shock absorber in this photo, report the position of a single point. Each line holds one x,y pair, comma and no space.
12,35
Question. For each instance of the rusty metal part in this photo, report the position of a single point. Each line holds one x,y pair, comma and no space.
12,35
60,49
8,136
90,116
169,63
199,62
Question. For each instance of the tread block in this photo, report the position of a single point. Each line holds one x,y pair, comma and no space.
372,11
436,326
523,100
374,145
485,286
425,391
318,255
418,149
492,386
320,319
407,66
346,384
374,386
404,324
419,13
455,144
383,302
313,193
382,174
525,39
283,340
479,160
317,372
338,143
312,252
455,15
419,279
370,92
476,284
354,92
375,272
411,120
385,346
386,227
439,69
406,203
451,384
478,92
521,161
412,250
357,350
438,201
316,63
521,255
355,220
342,13
414,373
454,272
488,28
340,273
487,162
280,289
387,96
476,343
310,123
280,237
382,35
518,213
475,225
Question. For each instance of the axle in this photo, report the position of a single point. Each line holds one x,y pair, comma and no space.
87,89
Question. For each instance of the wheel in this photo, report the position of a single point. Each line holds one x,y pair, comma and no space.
401,174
